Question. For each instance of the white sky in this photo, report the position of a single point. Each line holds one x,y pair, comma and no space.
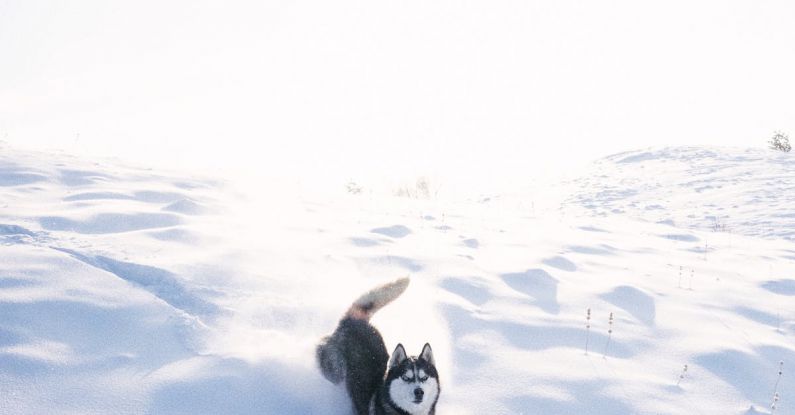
473,90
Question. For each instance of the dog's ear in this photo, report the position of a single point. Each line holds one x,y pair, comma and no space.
398,356
427,354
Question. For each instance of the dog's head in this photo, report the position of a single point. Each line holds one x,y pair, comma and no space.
412,382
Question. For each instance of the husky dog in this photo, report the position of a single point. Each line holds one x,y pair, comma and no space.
355,353
411,386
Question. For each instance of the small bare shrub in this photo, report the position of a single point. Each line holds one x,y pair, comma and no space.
780,142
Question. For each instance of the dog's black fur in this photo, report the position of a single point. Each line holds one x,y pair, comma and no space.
363,360
355,352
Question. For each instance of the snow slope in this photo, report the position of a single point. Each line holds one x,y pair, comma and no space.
745,191
128,291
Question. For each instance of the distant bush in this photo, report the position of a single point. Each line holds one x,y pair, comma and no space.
353,188
780,141
420,190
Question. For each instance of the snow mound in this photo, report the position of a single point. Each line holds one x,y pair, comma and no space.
743,191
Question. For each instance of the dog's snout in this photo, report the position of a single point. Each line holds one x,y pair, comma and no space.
418,393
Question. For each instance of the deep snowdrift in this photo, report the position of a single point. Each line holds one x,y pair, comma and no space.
128,291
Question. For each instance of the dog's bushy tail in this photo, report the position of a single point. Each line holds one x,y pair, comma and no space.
366,305
330,352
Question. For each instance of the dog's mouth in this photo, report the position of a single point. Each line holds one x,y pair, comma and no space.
418,400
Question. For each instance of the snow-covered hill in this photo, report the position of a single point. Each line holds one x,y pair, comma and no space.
128,291
745,191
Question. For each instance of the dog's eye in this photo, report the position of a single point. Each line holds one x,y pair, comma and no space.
406,378
423,379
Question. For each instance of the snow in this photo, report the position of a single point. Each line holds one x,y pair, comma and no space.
125,290
745,191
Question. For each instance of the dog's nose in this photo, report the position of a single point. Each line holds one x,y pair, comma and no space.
418,393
